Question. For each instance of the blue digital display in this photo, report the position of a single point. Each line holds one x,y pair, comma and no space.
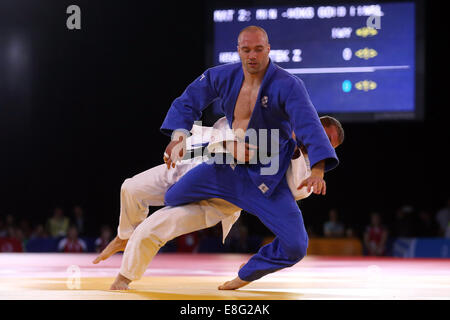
353,59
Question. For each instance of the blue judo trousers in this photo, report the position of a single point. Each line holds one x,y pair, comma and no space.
282,106
279,213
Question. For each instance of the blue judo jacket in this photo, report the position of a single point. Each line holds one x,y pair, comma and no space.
282,103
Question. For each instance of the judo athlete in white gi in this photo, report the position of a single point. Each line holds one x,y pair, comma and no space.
148,189
256,95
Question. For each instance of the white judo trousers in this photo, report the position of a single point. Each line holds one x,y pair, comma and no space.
146,235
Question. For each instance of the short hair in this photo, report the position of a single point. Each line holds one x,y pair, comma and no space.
328,121
253,29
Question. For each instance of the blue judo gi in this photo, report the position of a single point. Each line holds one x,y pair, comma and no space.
282,103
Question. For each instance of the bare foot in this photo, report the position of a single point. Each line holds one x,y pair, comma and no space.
120,283
114,246
234,284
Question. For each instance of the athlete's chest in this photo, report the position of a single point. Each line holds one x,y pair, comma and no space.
245,102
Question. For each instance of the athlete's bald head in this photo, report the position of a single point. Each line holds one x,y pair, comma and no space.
253,29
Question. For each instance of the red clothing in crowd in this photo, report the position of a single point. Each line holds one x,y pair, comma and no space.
67,245
375,235
10,245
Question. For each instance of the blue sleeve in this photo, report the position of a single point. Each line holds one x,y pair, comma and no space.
189,106
307,127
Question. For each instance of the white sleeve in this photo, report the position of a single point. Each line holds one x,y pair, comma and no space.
221,132
201,135
297,172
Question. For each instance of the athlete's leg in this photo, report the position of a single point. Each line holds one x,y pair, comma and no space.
279,212
143,190
163,226
283,217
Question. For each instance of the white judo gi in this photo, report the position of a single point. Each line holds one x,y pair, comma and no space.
148,234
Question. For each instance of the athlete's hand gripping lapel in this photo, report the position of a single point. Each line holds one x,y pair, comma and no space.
176,149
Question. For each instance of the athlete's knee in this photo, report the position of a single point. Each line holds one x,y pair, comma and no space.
129,186
149,232
296,249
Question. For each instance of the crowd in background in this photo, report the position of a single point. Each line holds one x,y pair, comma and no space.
407,222
76,233
68,233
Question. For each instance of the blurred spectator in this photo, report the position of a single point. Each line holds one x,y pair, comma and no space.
20,236
39,232
443,218
427,225
105,238
9,221
58,225
375,236
25,227
10,242
447,232
79,219
187,242
333,228
72,243
10,232
404,225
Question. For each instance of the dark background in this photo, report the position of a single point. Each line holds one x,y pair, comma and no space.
80,111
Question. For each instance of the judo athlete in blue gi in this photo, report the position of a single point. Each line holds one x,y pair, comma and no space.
257,95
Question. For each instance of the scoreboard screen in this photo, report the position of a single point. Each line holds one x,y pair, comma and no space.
357,60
